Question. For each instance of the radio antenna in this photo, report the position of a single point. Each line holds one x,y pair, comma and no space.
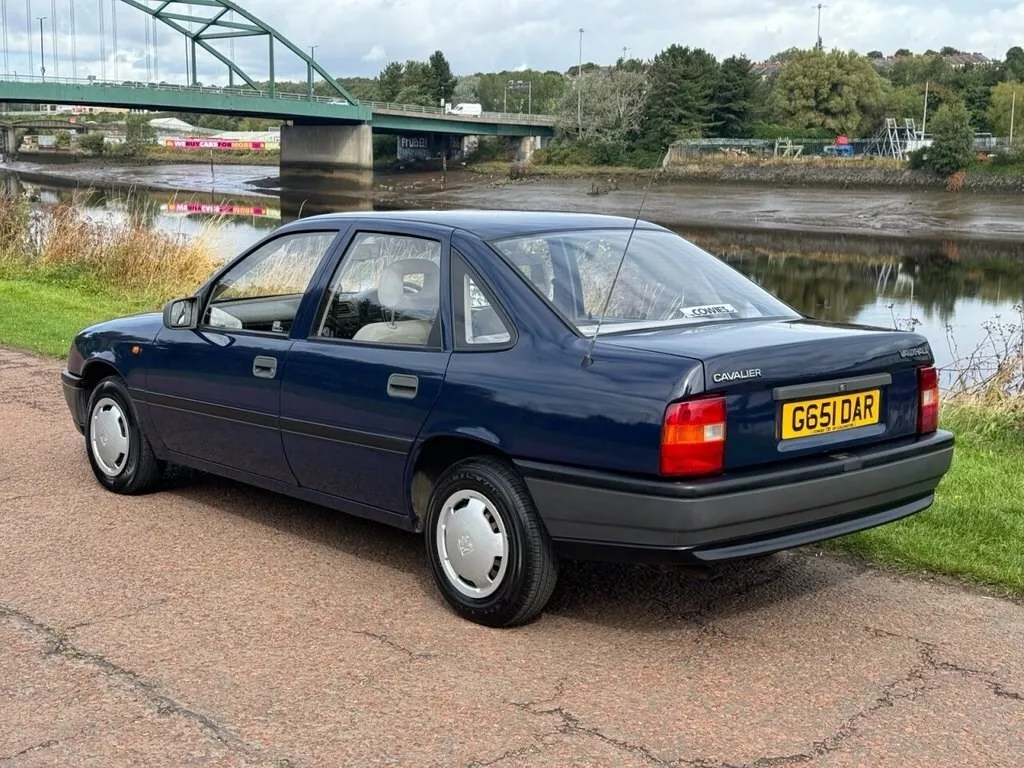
588,358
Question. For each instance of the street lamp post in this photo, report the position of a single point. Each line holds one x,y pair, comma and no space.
312,73
518,85
42,54
579,87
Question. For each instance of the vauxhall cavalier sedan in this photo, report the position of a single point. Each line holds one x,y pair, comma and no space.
517,387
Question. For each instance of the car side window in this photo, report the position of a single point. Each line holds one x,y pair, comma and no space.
387,290
263,291
478,322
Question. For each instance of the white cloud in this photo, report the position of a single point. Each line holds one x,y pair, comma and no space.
376,53
357,37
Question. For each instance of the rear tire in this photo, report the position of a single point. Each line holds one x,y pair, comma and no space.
119,452
489,551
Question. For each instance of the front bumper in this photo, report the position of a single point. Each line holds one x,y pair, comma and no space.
74,394
601,516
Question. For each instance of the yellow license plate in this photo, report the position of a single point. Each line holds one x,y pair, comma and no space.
830,414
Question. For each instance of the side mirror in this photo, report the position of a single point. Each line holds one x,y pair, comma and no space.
182,313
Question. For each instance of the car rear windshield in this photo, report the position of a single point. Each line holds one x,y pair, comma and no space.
664,280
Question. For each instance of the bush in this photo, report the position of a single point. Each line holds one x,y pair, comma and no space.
489,149
953,147
92,143
63,139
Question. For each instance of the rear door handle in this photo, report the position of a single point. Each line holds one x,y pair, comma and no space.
400,385
264,367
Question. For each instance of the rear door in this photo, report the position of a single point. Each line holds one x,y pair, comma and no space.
357,391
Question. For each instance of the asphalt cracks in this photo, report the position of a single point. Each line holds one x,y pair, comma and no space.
210,624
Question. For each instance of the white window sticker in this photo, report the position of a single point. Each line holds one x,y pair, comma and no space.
709,310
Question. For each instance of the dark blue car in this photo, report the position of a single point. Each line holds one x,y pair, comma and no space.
444,372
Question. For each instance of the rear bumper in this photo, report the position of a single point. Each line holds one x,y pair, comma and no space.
601,516
74,394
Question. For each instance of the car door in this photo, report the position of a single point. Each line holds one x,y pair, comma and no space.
215,391
357,391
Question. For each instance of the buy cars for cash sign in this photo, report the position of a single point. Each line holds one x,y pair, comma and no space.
214,144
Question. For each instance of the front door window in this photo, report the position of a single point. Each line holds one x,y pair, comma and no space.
263,291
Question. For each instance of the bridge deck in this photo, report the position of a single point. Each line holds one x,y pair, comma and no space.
384,117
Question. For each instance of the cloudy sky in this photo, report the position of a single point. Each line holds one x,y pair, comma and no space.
357,37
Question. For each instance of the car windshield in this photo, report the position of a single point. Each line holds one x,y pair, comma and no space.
664,280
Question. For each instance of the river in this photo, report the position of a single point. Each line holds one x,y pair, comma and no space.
951,269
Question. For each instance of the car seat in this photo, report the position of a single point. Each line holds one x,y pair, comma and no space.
396,296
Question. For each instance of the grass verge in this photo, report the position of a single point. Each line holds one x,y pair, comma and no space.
44,317
61,271
975,529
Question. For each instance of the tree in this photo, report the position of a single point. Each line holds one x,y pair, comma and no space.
467,90
62,139
948,50
93,143
611,107
441,77
390,81
735,99
678,102
841,92
953,147
903,52
137,133
875,55
1001,106
1014,63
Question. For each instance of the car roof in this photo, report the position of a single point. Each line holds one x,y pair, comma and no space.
491,224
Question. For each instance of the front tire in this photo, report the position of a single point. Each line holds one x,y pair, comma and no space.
489,552
121,456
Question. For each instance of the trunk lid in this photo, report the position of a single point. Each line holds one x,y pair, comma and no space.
798,388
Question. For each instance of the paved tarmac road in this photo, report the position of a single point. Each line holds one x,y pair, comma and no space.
215,625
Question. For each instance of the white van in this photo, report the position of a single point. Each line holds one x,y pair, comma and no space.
464,109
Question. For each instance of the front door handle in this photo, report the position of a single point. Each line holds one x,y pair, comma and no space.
264,367
400,385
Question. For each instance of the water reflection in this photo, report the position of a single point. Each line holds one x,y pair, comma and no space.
944,289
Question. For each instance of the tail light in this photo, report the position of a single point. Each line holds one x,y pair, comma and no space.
693,437
928,400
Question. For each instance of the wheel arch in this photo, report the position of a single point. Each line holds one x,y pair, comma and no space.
435,454
95,370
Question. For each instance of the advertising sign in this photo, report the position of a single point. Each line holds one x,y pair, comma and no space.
214,144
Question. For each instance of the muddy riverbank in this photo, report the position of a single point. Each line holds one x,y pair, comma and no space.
925,219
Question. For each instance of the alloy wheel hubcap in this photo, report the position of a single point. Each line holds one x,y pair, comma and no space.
472,544
109,437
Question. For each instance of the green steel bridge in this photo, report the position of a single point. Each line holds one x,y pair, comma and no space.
328,130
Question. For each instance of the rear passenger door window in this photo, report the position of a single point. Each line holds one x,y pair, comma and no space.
480,322
386,291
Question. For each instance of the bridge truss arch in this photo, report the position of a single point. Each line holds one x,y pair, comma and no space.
204,22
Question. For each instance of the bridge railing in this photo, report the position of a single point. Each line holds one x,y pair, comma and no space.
377,106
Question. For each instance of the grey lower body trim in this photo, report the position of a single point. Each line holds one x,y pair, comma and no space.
604,516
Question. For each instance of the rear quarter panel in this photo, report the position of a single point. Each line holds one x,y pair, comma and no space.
538,400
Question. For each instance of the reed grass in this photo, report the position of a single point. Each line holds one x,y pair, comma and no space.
60,244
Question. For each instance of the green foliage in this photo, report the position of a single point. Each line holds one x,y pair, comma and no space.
679,98
92,143
442,80
736,98
491,148
63,139
138,133
599,153
841,92
390,81
549,89
953,147
1002,104
1013,64
775,131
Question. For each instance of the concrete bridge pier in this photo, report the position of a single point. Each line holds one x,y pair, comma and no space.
524,147
327,151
